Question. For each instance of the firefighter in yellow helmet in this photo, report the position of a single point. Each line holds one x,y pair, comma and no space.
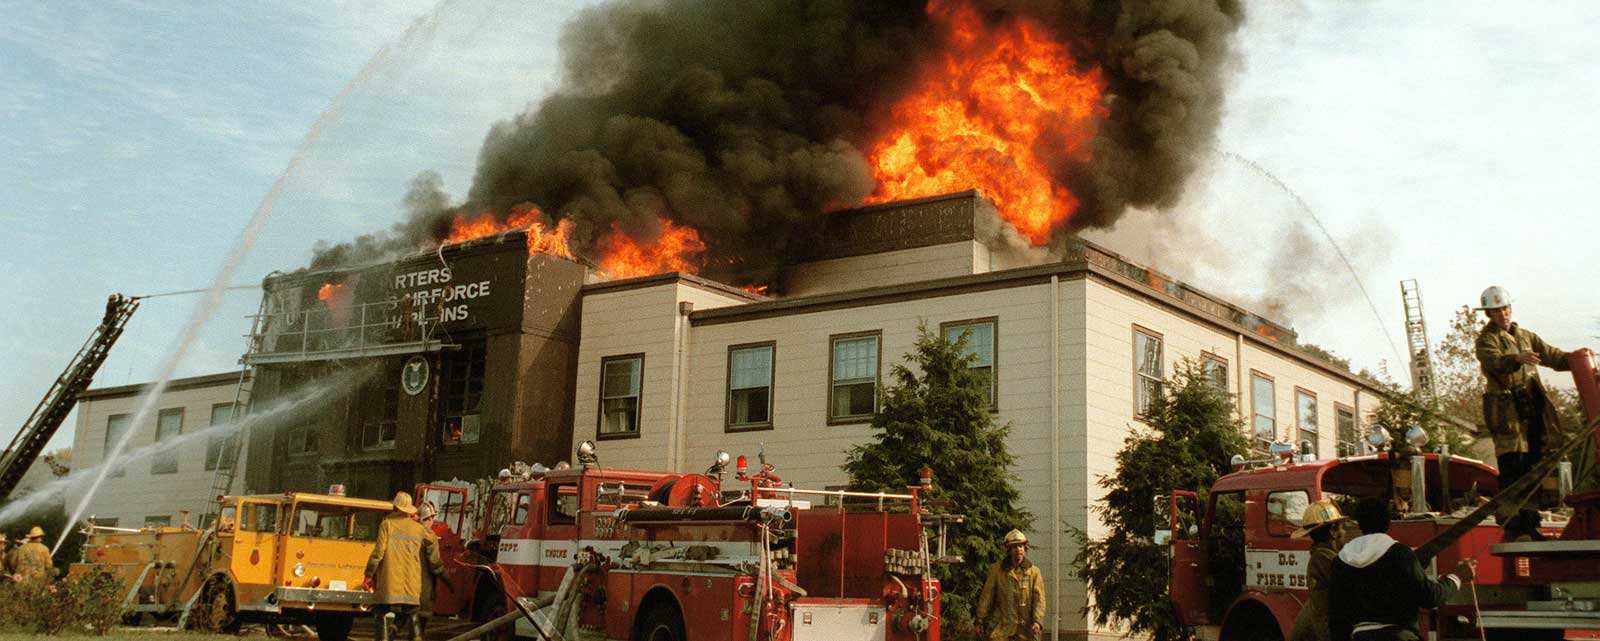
1011,606
395,569
30,561
1321,522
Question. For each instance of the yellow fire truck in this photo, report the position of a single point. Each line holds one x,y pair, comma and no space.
274,558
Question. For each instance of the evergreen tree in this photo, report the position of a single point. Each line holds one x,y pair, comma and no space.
1192,435
936,413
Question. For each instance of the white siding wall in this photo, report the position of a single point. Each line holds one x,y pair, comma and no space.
138,493
888,268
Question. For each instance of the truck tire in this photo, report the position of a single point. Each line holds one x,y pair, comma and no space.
662,623
216,611
334,626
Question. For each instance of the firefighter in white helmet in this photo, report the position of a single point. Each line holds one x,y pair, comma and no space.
1515,409
1011,606
1321,522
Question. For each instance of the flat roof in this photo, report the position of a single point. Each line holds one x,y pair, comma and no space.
222,379
641,282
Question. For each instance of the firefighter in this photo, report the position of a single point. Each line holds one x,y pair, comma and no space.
1376,585
395,569
1515,409
1011,606
30,561
432,566
1321,523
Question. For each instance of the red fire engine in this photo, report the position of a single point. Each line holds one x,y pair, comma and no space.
1236,570
653,556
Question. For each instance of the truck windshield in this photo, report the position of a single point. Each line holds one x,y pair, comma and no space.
335,522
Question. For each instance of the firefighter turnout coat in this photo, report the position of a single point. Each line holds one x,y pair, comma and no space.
31,561
396,562
432,567
1012,601
1511,384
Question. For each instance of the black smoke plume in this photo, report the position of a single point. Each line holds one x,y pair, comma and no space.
747,120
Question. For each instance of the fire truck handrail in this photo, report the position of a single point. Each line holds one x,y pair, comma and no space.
840,493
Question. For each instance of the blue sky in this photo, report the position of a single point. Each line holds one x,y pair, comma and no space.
1452,146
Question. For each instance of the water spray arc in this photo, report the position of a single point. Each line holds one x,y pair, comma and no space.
420,31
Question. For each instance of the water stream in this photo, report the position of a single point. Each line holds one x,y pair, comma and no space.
386,61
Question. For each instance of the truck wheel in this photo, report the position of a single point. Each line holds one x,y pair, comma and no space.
661,623
216,611
334,626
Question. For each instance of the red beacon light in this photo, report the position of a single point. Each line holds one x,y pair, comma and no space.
742,464
926,478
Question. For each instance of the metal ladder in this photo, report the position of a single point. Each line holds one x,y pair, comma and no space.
1421,354
228,459
63,394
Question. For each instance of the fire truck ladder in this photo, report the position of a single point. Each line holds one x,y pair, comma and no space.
228,459
1421,354
63,394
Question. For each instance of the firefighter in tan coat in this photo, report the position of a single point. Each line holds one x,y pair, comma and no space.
432,566
30,561
1011,606
1515,409
395,569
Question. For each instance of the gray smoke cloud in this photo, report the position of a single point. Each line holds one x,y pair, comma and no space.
747,120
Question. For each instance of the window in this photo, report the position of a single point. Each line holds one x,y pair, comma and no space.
750,386
853,382
169,425
1285,510
1265,409
335,522
564,509
520,516
1147,369
303,440
1305,413
378,401
981,335
621,380
158,521
1216,369
259,517
220,439
104,522
463,395
116,426
1344,422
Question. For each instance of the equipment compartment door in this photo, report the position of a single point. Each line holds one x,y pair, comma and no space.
1190,558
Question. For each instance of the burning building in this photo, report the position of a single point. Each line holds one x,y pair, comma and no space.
456,361
673,367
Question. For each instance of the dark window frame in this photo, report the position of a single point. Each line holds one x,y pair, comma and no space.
1299,420
473,361
727,387
1254,375
309,433
1355,445
163,463
600,402
877,378
1139,376
994,356
216,444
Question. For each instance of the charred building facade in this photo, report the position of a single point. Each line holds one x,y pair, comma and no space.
446,364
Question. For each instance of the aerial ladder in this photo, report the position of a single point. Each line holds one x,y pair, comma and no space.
63,394
1419,351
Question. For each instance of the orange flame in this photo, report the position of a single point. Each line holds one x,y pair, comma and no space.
678,249
991,113
542,239
337,298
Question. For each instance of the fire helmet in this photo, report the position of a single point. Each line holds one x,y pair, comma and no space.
427,511
36,533
1494,297
1319,514
402,502
1016,537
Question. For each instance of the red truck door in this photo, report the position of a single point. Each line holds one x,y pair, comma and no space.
1187,584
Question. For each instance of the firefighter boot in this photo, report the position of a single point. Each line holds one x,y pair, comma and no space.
382,616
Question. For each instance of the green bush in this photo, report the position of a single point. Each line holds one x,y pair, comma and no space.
90,602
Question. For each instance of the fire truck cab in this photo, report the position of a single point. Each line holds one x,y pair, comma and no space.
1235,567
658,556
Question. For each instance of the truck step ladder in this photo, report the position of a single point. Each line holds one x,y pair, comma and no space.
228,458
36,432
